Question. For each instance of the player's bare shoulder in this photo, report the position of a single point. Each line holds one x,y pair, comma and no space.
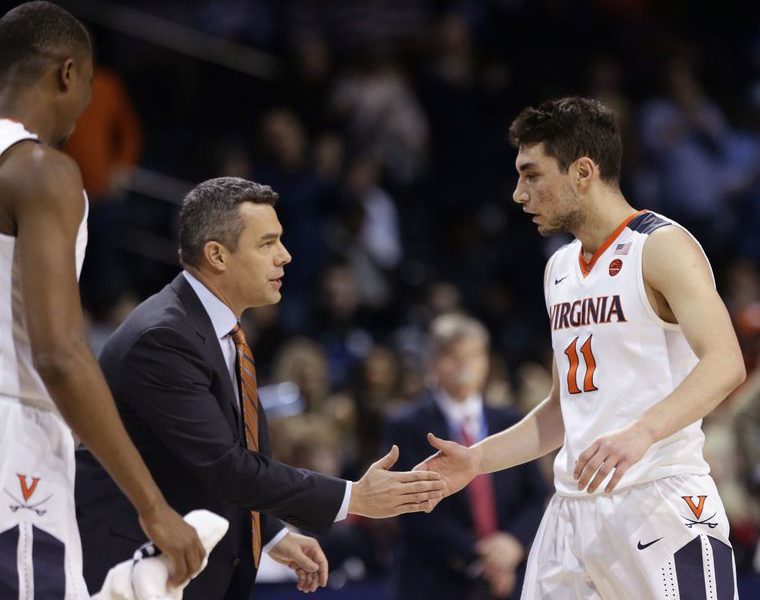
672,253
36,177
674,264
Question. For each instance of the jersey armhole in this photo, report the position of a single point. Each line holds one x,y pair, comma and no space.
643,291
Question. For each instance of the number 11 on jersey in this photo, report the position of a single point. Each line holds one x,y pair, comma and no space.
590,362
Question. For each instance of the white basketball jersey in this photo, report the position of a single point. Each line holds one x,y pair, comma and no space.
19,381
615,357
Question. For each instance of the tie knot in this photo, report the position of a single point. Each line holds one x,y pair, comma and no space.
238,336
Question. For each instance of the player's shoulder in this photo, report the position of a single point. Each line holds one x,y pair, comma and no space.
35,171
671,253
666,237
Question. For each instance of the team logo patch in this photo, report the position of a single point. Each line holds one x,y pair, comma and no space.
615,267
696,509
28,486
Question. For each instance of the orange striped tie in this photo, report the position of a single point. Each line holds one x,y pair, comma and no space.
250,403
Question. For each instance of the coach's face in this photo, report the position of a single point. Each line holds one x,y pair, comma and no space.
545,192
461,369
255,269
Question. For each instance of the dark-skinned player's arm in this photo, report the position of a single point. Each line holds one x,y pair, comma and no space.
678,275
541,431
48,206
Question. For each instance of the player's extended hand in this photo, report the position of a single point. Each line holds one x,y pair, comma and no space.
304,555
177,540
618,451
383,493
456,464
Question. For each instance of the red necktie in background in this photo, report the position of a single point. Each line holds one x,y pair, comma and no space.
482,499
250,404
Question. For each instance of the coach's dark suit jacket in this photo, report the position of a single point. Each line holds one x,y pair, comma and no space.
437,548
165,368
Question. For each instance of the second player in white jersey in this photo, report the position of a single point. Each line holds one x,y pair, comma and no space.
615,357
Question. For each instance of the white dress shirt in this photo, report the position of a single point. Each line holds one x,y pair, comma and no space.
467,414
223,321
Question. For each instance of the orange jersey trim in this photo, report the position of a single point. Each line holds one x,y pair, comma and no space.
587,266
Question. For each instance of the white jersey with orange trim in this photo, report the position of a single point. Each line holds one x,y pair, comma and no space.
19,381
615,357
40,549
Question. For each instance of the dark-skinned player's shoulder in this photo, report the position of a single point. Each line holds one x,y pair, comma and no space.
33,176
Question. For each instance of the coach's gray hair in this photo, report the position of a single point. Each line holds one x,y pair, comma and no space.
210,213
452,328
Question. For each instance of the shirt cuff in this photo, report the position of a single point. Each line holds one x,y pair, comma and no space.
275,540
343,512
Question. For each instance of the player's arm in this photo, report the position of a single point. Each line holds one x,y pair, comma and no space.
678,274
541,431
676,268
48,207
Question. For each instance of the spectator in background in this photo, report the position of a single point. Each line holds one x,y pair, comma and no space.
106,144
696,159
342,324
368,235
284,166
382,116
473,546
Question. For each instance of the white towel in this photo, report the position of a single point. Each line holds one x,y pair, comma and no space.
146,578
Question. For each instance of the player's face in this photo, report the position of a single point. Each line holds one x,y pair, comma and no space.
462,368
545,191
256,268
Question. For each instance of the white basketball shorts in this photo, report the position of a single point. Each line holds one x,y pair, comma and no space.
663,540
40,550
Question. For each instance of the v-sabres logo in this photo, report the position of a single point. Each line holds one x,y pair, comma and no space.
28,486
602,309
696,509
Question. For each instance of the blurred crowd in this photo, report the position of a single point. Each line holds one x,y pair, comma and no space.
384,132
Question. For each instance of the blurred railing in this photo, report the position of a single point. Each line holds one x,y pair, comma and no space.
174,36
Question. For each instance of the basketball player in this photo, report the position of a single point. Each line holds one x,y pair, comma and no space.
50,384
643,350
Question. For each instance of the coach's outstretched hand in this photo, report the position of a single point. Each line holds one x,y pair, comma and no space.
383,493
456,464
177,540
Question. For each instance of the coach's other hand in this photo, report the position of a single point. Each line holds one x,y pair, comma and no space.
382,493
177,540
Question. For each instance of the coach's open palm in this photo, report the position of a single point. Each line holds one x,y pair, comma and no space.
383,493
456,464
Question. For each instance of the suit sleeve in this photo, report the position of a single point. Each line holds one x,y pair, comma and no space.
167,381
440,532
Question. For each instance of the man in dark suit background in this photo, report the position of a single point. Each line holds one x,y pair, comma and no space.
184,382
473,546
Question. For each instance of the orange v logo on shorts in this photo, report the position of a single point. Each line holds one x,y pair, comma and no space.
26,490
696,509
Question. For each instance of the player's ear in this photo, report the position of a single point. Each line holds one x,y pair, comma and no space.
582,172
65,74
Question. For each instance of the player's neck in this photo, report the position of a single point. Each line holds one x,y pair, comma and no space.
32,115
603,215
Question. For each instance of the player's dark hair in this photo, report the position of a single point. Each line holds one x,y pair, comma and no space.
34,34
210,212
571,128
